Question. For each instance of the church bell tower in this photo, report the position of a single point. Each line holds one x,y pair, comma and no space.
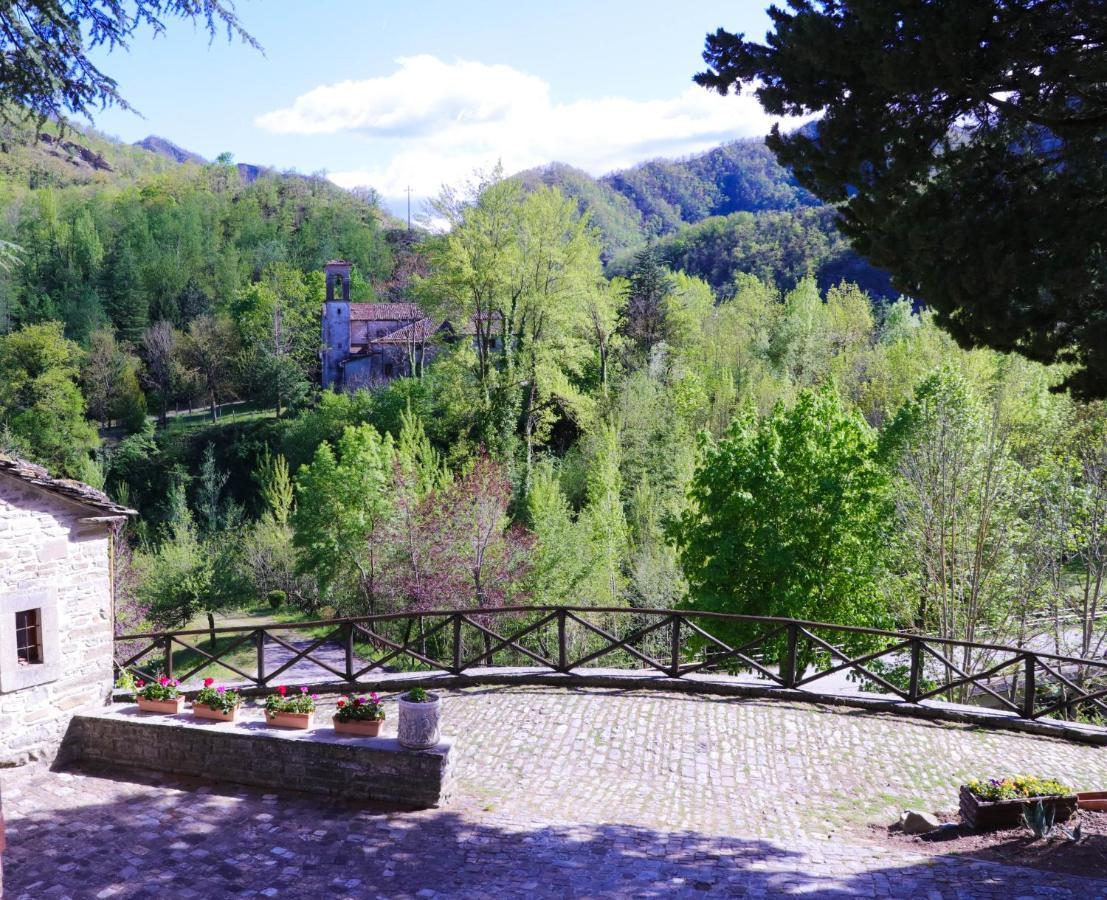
336,320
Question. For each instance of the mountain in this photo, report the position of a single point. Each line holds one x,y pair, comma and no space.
169,150
731,210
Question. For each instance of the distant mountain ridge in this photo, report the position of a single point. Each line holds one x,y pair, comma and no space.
165,147
169,150
731,210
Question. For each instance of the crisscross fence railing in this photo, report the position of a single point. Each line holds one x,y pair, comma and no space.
787,653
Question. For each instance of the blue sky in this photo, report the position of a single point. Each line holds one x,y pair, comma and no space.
423,93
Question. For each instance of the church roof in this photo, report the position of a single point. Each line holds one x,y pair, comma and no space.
75,491
416,331
386,312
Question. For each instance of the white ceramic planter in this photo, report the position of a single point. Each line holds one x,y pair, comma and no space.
418,727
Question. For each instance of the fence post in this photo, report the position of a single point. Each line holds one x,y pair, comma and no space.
259,642
1029,698
348,641
457,643
169,657
562,651
916,671
790,657
674,647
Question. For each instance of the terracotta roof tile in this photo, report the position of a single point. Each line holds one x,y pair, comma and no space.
377,312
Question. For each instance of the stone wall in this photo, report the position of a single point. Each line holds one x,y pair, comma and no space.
250,752
48,556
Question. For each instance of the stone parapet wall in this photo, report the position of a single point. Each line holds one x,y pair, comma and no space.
317,761
50,553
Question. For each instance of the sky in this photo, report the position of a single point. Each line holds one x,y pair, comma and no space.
424,94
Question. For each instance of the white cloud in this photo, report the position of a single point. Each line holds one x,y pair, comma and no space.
431,123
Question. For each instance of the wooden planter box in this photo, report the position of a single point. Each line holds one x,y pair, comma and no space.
1093,800
165,707
289,720
206,712
364,728
983,814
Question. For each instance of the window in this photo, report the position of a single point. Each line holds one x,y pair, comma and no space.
28,637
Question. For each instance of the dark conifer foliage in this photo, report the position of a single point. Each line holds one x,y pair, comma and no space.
965,142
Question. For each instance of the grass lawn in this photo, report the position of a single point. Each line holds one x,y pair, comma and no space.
244,656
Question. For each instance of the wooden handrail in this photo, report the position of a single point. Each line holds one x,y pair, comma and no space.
798,638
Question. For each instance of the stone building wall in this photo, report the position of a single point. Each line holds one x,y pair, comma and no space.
51,560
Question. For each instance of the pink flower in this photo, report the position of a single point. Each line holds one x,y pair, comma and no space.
374,697
174,682
208,682
341,703
140,683
314,696
359,701
220,689
163,681
303,690
282,690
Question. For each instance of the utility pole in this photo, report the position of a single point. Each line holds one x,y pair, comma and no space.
409,209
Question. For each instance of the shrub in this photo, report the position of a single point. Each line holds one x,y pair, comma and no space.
276,599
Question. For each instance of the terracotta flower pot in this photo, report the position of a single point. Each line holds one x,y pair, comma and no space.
165,707
363,728
289,720
984,814
200,711
1093,800
419,723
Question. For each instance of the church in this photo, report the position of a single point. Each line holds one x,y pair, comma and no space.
366,344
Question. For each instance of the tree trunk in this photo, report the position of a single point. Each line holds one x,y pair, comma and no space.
211,630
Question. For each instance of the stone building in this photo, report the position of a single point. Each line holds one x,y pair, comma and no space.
371,343
56,627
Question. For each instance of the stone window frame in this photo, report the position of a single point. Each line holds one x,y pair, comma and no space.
15,676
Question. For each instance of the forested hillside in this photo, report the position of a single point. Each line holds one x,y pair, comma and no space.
601,429
122,236
731,210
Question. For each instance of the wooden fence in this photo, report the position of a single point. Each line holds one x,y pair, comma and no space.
789,653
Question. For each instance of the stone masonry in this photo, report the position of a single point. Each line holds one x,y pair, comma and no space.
585,792
249,752
55,555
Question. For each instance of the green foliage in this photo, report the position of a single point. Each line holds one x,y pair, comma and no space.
939,150
417,695
1017,787
789,516
344,498
217,698
276,599
41,405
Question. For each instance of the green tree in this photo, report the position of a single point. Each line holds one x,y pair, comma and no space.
40,403
48,69
789,516
942,133
344,501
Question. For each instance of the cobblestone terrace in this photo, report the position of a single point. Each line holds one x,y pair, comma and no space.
587,793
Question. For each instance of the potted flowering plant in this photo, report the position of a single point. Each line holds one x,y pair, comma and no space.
216,703
359,715
419,719
284,710
161,696
1002,802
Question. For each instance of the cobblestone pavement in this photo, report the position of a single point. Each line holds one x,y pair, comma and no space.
585,793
